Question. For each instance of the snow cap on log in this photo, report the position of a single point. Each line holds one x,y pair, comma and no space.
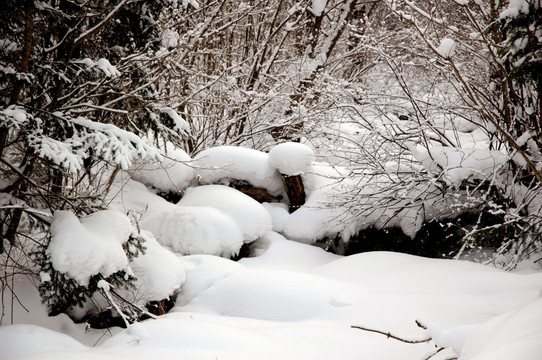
291,158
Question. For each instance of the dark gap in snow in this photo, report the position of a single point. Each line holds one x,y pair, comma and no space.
436,239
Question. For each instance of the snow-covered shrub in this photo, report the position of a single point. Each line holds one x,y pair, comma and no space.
102,254
81,254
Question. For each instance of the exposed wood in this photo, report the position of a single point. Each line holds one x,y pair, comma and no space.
295,190
259,194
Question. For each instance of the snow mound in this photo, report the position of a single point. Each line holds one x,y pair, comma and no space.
265,295
514,335
279,214
251,217
281,253
232,162
92,245
381,269
159,272
454,338
291,158
174,173
191,230
204,271
32,339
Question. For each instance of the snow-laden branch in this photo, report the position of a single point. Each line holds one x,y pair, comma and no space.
92,139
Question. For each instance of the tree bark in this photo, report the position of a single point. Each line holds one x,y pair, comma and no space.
295,190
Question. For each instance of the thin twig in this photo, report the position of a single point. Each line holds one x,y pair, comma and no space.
390,335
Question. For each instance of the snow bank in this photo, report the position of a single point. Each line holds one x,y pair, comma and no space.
279,214
175,173
204,271
159,272
92,245
514,335
223,163
274,307
36,340
265,295
251,217
291,158
191,230
130,196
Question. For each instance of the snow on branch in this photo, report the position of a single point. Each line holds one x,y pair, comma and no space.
92,139
114,144
13,116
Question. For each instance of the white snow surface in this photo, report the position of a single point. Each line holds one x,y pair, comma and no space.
223,163
251,217
516,334
193,226
446,48
159,272
291,158
191,230
515,7
295,301
318,7
174,173
90,246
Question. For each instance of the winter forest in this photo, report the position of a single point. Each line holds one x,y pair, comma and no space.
278,179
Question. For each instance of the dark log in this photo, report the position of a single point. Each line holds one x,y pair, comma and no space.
259,194
295,190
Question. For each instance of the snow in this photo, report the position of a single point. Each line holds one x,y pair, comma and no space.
279,215
14,114
191,230
446,48
175,173
181,124
41,340
461,164
515,7
454,338
318,7
318,217
108,69
291,158
297,301
159,272
223,163
90,246
251,217
516,334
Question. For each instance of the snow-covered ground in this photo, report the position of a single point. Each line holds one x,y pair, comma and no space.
295,301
